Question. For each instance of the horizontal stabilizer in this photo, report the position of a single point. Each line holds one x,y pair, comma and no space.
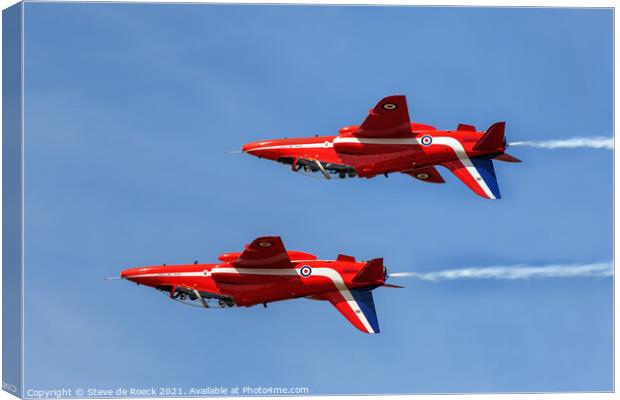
506,158
389,285
493,139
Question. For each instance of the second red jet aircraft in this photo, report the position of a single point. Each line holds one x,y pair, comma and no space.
387,142
266,272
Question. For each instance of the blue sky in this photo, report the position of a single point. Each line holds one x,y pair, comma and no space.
129,113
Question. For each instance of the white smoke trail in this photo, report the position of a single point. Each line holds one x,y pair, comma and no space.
598,142
520,271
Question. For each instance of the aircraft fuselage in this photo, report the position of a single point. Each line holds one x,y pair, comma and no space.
249,286
369,157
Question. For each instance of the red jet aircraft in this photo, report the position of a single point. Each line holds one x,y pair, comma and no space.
387,142
265,272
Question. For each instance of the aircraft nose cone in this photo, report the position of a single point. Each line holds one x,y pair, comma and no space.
129,273
126,273
252,147
264,149
247,147
150,276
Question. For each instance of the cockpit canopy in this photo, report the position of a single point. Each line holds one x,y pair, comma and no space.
300,255
228,257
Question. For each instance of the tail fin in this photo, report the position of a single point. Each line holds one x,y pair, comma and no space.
357,306
367,305
493,139
478,174
487,173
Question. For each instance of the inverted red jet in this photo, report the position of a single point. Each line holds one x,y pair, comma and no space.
387,142
266,272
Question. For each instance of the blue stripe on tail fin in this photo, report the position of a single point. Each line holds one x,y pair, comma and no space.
487,172
363,297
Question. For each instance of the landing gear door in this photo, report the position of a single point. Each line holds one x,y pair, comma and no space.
327,169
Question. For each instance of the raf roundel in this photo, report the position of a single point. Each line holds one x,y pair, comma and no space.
426,140
305,271
390,106
264,244
422,175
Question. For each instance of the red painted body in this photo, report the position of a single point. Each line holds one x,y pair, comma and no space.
387,142
265,272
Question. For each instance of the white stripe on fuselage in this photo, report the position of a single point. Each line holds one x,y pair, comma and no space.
205,272
394,141
322,145
166,274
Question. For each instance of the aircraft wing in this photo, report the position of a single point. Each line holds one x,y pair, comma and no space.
357,306
264,252
478,175
388,119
